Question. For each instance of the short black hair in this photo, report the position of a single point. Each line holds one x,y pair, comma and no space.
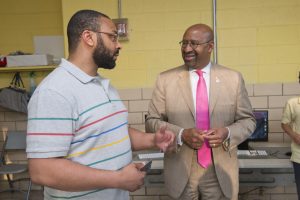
80,21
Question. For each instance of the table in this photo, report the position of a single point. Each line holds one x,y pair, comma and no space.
273,171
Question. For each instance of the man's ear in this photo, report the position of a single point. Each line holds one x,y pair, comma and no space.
211,46
89,38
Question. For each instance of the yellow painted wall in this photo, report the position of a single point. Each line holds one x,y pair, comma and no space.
20,21
260,38
155,26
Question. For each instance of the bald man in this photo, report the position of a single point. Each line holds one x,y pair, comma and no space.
178,101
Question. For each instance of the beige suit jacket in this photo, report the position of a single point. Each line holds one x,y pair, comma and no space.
229,106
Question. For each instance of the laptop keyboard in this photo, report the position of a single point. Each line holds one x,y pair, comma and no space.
151,156
252,154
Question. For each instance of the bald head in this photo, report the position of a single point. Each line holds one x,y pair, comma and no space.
197,45
205,30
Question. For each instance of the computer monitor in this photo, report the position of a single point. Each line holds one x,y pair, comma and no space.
261,131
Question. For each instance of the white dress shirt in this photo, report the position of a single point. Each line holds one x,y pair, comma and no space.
194,77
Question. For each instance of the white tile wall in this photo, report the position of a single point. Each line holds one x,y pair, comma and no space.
268,89
262,96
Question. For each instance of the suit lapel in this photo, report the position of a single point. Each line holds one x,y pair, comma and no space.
185,88
215,81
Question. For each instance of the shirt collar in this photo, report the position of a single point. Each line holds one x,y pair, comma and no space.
205,69
103,81
77,72
82,76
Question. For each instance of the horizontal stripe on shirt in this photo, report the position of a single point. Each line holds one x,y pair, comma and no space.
116,156
51,134
99,120
75,196
73,119
102,133
101,104
99,147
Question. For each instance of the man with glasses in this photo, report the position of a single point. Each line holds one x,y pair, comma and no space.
208,108
79,144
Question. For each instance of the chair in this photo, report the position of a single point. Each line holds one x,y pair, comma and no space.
14,141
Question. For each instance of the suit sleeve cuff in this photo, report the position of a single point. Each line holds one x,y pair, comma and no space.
228,136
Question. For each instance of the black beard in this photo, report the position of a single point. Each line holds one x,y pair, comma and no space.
102,57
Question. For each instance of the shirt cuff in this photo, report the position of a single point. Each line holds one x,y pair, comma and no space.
228,136
179,141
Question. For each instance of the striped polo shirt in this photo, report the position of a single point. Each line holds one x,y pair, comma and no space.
83,119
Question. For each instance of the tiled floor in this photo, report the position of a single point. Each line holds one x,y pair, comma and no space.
34,195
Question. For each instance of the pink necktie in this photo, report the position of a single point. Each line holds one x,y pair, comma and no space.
202,120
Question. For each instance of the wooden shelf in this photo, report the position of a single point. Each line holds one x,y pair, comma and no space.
26,69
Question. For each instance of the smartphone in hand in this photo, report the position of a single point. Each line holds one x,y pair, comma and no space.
147,166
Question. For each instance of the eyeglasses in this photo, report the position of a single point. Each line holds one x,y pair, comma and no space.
114,36
193,43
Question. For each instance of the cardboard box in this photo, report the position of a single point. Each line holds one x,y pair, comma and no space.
29,60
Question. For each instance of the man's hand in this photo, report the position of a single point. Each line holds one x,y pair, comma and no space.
193,137
164,139
216,136
289,130
131,178
296,138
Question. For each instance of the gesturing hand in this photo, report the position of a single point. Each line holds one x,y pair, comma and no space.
193,137
164,139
